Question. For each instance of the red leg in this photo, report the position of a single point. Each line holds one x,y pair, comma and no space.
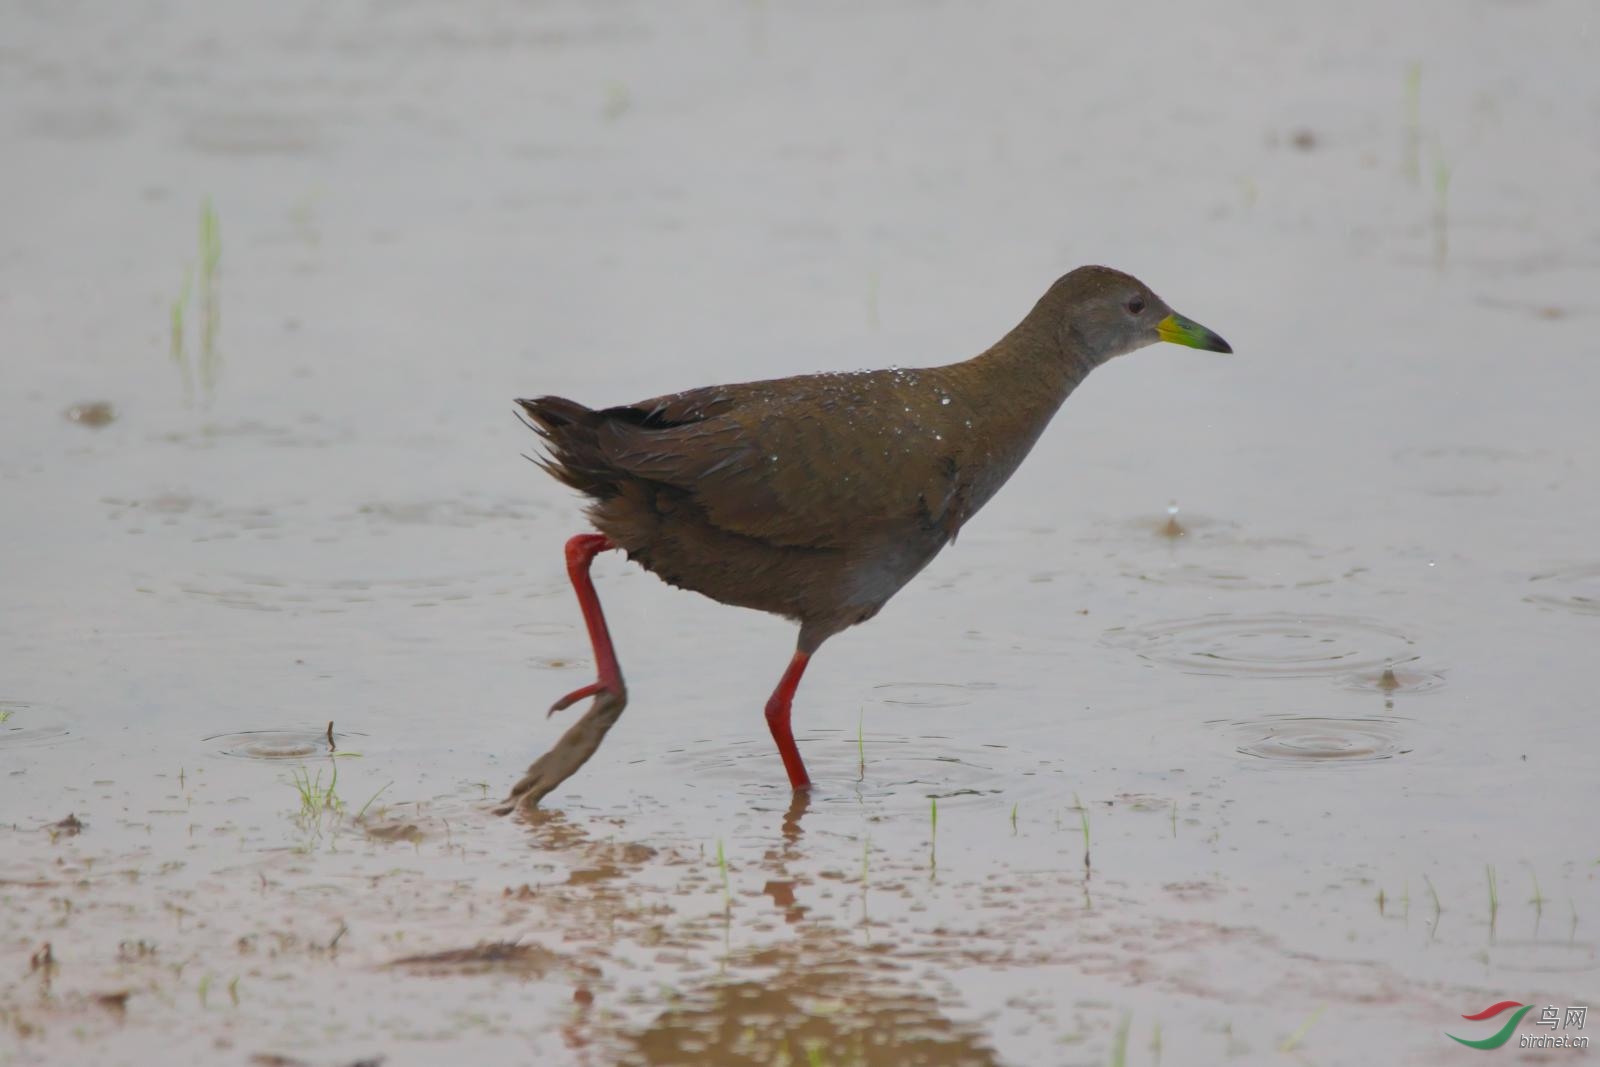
778,720
581,551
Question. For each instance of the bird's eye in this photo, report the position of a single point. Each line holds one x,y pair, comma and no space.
1135,305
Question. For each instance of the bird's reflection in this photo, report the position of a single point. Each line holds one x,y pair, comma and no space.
797,810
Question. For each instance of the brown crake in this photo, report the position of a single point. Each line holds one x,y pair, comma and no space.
818,497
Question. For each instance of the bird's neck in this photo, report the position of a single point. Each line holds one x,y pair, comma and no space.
1012,391
1030,371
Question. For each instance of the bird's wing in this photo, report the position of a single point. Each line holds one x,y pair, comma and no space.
804,465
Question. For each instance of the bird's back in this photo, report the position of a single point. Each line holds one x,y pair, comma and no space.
815,497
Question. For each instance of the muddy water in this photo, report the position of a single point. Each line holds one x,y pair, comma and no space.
1232,704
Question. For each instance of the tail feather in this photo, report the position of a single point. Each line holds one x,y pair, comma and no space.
572,452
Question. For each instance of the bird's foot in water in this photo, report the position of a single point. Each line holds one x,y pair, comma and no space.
571,752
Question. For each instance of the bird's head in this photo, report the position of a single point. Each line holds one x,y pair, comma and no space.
1102,313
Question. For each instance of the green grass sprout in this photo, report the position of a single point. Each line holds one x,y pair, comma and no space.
1295,1038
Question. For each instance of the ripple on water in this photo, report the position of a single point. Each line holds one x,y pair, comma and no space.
929,694
1395,680
1547,956
1194,551
900,772
18,728
1268,646
1305,739
275,744
1574,589
297,596
1254,572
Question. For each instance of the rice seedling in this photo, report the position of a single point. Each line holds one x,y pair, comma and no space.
1433,927
1013,820
1083,819
617,101
180,358
1494,893
1295,1038
1155,1045
1441,208
1119,1041
1174,820
205,988
727,890
1412,148
1380,902
861,745
362,813
1537,900
316,800
233,991
210,310
933,835
5,713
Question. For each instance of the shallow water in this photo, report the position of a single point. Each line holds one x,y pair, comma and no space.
1298,639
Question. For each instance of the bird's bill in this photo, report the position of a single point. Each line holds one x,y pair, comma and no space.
1182,331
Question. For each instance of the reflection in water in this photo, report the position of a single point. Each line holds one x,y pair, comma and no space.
814,994
791,818
1267,646
888,771
816,999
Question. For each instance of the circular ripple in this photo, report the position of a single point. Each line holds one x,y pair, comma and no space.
1268,646
275,744
29,736
16,730
1305,739
1574,589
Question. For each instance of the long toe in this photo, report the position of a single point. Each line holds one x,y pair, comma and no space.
576,695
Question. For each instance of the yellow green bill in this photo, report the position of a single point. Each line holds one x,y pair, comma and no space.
1182,331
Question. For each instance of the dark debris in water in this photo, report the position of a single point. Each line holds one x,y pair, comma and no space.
487,957
71,826
93,414
278,1059
408,832
115,1003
